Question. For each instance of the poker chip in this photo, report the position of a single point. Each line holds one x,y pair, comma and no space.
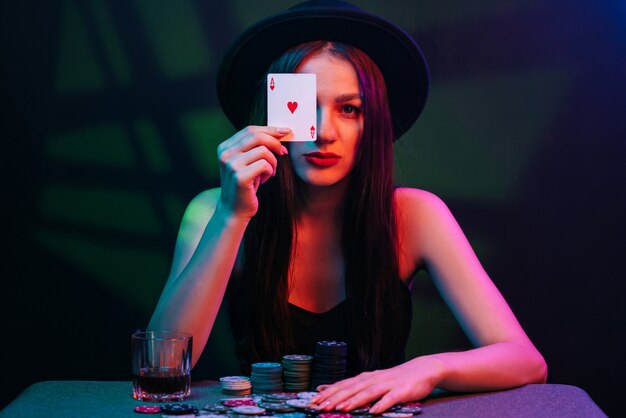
280,407
363,410
329,362
279,397
409,409
334,415
248,410
178,409
233,378
297,372
208,414
292,415
297,358
239,402
298,403
265,365
216,408
307,395
398,414
147,409
236,385
267,377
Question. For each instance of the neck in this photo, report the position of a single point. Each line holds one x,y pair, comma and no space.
324,203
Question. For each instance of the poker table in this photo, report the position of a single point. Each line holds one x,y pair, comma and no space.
113,399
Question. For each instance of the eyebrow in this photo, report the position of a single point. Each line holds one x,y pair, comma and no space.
347,97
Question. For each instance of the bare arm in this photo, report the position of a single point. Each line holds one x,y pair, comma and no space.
195,288
211,233
504,356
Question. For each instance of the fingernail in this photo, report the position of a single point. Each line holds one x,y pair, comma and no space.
314,399
283,130
342,405
284,150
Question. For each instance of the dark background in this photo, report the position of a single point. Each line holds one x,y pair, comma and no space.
110,123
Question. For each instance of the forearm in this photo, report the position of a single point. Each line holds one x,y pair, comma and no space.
190,302
492,367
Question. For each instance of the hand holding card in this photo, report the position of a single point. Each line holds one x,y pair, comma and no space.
292,103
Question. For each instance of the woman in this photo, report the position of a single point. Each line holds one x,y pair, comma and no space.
315,233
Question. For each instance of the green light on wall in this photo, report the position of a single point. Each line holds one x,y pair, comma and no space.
152,147
174,208
111,42
176,37
105,145
433,326
133,273
477,136
418,16
77,69
101,208
204,131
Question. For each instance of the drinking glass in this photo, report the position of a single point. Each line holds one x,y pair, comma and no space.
161,365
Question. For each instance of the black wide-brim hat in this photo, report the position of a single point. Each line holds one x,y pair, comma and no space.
397,55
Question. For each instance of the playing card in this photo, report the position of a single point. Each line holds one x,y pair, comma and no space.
292,103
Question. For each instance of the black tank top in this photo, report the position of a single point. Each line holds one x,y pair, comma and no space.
333,325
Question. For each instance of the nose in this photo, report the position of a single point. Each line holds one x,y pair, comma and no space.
326,132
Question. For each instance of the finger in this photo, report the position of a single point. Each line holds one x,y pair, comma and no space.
248,175
325,391
359,398
234,165
328,390
275,131
250,137
271,133
261,138
255,154
390,399
342,394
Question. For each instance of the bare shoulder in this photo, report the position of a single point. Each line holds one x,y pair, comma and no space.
427,226
420,215
201,207
417,204
423,221
207,198
197,215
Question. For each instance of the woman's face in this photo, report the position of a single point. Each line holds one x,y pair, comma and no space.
339,123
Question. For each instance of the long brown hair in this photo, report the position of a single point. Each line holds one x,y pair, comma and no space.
259,308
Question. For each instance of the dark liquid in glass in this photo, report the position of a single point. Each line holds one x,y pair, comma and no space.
161,384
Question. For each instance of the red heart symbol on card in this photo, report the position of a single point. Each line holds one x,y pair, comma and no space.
292,106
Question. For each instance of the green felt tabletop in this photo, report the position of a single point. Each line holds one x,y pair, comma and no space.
113,399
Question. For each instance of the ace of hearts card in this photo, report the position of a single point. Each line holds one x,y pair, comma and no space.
292,103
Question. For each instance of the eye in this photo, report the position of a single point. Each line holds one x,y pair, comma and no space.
350,109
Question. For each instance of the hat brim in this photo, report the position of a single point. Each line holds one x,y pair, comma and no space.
398,57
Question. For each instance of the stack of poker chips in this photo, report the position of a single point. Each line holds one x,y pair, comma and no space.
297,372
236,385
267,377
330,362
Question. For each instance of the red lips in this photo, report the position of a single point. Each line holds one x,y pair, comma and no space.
322,159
